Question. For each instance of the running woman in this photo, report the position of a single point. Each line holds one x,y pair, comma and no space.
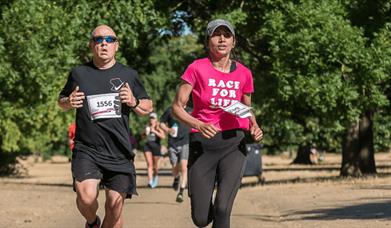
153,149
104,92
217,148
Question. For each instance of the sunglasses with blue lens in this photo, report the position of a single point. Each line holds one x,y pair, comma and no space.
100,39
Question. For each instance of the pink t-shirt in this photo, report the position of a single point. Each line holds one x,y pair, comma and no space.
214,88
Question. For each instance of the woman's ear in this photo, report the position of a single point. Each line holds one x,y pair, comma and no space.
206,42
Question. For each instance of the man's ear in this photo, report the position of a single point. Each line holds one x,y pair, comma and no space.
91,44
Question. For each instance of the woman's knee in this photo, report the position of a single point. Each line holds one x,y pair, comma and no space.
201,221
221,209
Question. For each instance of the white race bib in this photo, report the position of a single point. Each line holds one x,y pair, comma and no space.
106,105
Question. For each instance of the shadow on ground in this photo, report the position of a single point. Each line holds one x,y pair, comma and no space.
365,211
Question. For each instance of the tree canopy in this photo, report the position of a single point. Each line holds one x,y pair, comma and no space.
317,65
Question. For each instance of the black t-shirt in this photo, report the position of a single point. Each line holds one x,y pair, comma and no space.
182,137
107,139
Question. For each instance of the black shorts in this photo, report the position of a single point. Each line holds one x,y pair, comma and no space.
155,148
85,167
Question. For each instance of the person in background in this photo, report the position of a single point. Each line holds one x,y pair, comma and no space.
152,149
178,150
217,148
71,135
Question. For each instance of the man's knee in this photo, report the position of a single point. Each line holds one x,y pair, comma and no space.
87,193
184,169
87,197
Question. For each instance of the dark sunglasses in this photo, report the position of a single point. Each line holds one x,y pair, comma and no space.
100,39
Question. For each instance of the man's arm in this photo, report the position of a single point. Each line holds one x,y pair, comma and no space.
165,128
75,100
140,106
144,107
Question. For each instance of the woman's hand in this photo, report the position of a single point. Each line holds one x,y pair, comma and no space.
207,130
256,132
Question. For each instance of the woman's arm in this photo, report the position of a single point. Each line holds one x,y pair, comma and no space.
159,132
255,130
178,110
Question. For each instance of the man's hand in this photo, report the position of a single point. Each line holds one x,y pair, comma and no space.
207,130
76,98
126,96
256,132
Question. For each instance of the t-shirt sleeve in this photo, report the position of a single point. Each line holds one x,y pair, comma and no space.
249,85
69,86
165,117
138,88
189,75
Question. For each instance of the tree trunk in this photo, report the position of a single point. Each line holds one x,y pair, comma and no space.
367,150
358,149
304,156
350,148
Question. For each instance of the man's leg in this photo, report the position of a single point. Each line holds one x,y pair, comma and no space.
86,200
184,157
113,209
173,156
184,173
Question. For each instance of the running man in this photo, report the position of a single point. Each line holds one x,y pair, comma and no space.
178,149
217,149
103,92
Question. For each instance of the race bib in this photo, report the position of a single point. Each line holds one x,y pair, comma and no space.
106,105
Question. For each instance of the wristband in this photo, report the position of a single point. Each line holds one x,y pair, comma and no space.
137,103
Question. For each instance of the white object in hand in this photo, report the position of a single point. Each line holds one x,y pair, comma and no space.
238,109
174,132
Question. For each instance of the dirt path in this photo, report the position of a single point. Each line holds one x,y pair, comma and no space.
45,199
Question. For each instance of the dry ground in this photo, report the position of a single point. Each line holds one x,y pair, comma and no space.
293,196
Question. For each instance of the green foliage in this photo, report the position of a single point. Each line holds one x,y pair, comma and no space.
316,68
170,60
40,42
317,65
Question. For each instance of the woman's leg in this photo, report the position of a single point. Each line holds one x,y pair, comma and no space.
149,160
201,181
156,165
155,171
230,172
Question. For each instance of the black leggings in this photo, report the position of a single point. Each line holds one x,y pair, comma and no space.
218,160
